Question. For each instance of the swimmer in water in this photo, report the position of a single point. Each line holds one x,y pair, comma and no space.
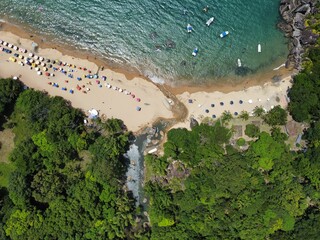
206,8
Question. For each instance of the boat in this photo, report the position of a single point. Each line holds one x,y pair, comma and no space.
239,62
224,34
195,52
209,21
259,47
189,28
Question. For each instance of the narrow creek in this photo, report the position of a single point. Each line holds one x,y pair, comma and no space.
146,141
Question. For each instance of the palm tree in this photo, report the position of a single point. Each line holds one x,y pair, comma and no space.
244,115
226,116
258,111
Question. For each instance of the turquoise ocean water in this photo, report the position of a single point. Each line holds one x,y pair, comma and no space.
151,35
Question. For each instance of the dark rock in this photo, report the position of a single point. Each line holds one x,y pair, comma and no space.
193,123
304,9
308,38
170,44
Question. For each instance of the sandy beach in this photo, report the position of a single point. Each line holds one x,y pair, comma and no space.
109,92
212,104
115,94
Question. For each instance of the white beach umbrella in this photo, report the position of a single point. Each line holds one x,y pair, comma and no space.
43,64
1,41
31,60
10,45
15,48
37,69
21,56
52,74
36,57
250,101
41,58
120,90
37,62
45,69
5,43
15,78
31,55
39,73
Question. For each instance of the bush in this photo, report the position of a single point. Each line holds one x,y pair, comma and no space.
241,142
252,130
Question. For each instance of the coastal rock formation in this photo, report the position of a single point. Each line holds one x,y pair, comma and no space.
193,123
294,13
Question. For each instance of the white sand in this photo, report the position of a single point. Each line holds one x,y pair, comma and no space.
265,96
111,103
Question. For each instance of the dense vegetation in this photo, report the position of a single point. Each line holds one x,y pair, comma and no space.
67,182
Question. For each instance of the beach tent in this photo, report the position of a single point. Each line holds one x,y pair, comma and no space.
93,113
138,108
231,102
214,116
207,110
236,113
221,103
212,105
240,101
190,101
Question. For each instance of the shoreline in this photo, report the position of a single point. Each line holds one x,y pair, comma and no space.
175,102
224,84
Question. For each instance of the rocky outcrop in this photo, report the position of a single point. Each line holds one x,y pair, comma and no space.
294,13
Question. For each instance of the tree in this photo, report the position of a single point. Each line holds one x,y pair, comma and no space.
258,111
244,115
276,116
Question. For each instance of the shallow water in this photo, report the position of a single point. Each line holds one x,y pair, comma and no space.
151,35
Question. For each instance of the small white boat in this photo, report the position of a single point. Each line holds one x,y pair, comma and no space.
224,34
209,21
259,47
239,62
195,52
189,28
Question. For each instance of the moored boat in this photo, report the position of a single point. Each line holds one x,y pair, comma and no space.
259,47
209,21
239,62
224,34
195,52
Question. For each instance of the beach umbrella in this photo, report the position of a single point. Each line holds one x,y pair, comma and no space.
5,43
15,48
212,105
207,110
43,64
250,101
10,45
48,60
31,60
133,96
120,90
109,86
37,69
47,74
15,78
39,73
45,69
52,74
64,89
97,81
41,58
50,65
36,57
214,116
79,78
21,57
1,41
138,108
50,83
138,99
95,76
31,55
71,91
37,62
221,103
104,78
100,86
231,102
